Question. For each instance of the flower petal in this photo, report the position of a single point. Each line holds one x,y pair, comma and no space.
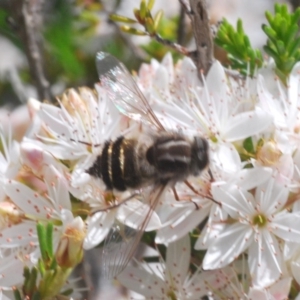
227,246
133,214
178,259
265,260
247,124
287,226
98,227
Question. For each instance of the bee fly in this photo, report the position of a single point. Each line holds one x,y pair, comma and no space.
157,159
163,159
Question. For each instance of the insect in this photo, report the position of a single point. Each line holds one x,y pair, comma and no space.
157,159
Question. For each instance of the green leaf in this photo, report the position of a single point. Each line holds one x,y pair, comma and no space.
43,243
118,18
238,47
149,24
150,4
283,42
30,282
132,30
157,18
248,145
17,294
49,237
143,9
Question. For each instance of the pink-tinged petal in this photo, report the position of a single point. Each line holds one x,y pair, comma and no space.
228,246
98,227
33,106
265,260
178,259
258,294
28,200
133,214
37,155
247,124
182,221
143,282
286,225
280,289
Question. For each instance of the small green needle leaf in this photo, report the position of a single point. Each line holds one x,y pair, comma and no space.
118,18
132,30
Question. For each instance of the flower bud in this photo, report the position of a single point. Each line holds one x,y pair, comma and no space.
9,215
269,154
69,251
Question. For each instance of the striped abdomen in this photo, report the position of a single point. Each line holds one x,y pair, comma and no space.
116,165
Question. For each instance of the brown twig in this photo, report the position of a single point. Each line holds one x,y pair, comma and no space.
171,44
295,4
181,29
186,6
28,17
203,56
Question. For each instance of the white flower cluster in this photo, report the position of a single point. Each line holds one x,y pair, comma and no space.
247,238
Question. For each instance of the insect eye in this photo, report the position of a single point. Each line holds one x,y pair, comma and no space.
201,147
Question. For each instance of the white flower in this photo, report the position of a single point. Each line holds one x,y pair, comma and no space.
221,110
9,159
52,204
180,217
171,278
278,291
256,224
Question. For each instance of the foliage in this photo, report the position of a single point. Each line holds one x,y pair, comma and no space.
282,44
47,278
283,39
241,55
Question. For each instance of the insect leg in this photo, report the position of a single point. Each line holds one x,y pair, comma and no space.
175,194
114,205
196,192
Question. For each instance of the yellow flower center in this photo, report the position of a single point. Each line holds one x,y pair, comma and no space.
260,220
171,295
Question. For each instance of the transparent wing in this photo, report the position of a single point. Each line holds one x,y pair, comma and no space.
123,90
122,241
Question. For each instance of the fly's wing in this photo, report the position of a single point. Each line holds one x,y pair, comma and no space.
123,90
122,241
